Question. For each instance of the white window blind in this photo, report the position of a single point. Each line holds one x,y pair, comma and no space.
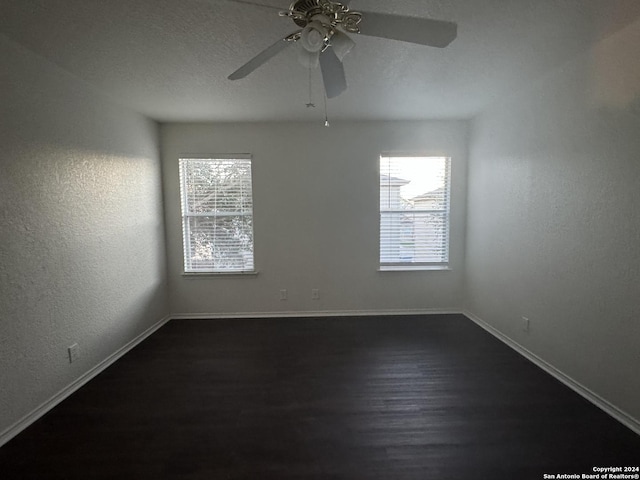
217,215
414,212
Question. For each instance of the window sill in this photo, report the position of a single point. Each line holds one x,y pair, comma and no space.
413,268
219,274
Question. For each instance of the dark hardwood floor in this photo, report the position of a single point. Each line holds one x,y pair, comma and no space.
420,397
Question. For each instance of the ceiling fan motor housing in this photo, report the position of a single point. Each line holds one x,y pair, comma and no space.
302,12
308,9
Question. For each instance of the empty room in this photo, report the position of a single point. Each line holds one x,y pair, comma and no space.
319,240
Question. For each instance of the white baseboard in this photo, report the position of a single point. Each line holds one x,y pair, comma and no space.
43,408
620,415
307,314
46,406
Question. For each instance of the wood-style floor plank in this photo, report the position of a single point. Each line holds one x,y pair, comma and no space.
411,397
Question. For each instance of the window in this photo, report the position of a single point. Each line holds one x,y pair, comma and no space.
217,215
414,212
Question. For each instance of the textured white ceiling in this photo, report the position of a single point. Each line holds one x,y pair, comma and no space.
169,59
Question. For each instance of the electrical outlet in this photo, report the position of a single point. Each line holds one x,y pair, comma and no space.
525,324
315,294
74,352
283,294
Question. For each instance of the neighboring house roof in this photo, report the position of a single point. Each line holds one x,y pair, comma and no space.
393,181
429,196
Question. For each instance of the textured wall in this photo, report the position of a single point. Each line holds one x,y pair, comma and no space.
316,216
554,222
81,237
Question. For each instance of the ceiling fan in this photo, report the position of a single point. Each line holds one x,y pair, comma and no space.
323,33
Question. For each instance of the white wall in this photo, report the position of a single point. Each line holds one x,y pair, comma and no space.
316,217
554,218
81,237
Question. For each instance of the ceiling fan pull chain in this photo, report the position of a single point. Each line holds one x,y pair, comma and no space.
310,104
326,115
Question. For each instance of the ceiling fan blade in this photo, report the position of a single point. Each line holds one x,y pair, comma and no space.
256,4
333,76
262,58
423,31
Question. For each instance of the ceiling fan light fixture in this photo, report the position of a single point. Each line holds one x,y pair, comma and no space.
313,36
322,19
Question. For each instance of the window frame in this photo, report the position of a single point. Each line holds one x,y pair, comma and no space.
446,212
185,215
